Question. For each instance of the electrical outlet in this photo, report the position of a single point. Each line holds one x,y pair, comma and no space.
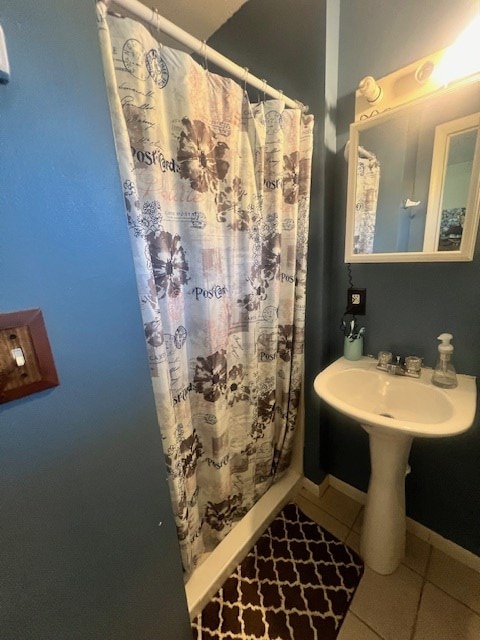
356,301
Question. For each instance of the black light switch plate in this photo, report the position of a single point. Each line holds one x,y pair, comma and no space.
356,301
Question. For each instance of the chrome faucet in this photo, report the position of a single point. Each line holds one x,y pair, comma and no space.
411,367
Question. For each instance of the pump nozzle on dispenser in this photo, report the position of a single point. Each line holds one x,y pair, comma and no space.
445,338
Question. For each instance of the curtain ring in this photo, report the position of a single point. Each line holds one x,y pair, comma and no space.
155,23
203,53
264,89
303,108
245,78
157,19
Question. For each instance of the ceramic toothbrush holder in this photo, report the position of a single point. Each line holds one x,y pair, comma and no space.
353,349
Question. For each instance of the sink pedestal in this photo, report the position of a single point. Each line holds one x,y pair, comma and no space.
393,410
382,543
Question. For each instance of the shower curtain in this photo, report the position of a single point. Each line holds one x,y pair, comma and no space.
217,198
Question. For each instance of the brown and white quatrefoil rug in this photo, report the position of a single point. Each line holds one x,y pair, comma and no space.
295,584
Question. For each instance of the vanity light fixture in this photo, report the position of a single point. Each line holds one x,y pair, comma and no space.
458,63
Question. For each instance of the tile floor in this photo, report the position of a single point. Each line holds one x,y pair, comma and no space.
429,597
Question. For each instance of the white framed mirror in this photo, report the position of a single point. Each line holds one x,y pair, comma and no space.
414,180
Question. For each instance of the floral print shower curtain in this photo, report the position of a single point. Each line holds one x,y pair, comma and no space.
217,199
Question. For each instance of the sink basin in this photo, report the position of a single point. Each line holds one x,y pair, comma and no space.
392,410
411,405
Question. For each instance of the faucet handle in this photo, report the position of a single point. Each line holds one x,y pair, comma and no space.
413,363
384,358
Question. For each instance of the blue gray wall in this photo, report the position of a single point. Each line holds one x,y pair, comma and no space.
82,481
408,305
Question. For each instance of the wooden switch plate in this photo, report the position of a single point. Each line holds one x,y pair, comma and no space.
25,330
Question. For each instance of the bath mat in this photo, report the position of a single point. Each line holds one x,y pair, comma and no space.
295,584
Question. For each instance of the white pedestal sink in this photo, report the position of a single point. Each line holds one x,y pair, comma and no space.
393,410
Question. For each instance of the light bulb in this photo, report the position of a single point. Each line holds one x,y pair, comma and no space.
462,59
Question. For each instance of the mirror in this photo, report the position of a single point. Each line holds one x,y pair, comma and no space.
413,180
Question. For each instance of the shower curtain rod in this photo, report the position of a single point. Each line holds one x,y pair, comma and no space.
153,18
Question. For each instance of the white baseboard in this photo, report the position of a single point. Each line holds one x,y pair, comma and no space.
347,489
448,547
317,489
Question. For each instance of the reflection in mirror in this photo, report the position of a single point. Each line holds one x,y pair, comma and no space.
454,150
413,180
455,191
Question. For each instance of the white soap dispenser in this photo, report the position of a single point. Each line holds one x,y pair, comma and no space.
444,374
